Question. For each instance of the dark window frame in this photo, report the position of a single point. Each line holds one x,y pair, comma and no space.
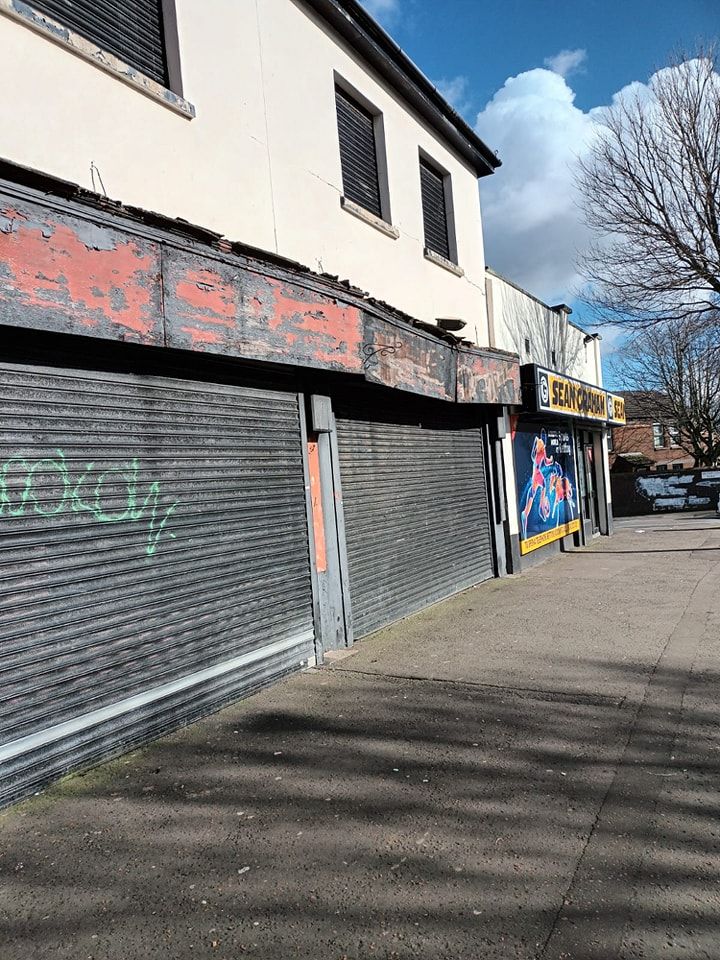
353,192
172,76
450,251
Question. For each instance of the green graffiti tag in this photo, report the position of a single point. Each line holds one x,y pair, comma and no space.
47,488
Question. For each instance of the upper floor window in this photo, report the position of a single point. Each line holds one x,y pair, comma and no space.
359,130
658,436
132,30
528,347
674,436
435,193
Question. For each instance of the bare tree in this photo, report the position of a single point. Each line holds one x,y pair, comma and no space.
676,367
650,189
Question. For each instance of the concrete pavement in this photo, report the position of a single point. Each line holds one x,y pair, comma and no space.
529,770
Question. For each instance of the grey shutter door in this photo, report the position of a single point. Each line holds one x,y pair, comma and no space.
416,510
154,557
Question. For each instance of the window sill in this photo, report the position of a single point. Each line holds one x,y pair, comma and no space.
442,262
25,14
362,214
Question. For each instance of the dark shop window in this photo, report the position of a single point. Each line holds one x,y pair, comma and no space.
358,153
133,30
434,208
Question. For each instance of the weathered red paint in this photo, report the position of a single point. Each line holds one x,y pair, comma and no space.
400,357
202,337
327,332
207,293
82,275
316,505
48,266
486,378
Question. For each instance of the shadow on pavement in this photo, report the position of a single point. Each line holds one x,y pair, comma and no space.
343,816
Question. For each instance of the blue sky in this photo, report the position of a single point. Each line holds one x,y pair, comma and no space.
487,41
528,74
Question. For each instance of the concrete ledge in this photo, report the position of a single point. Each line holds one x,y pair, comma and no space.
362,214
443,262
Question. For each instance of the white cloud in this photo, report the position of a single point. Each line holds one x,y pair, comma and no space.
531,218
531,221
455,92
566,62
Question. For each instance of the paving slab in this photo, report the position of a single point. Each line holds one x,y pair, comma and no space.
548,790
590,622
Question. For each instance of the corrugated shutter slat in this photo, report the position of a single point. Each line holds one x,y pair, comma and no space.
432,188
415,506
135,555
358,153
133,30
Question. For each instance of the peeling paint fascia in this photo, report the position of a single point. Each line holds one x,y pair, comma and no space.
89,220
28,16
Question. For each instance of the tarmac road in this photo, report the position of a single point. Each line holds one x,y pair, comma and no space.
528,770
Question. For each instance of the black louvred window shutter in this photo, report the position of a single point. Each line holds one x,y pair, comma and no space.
131,29
432,187
358,154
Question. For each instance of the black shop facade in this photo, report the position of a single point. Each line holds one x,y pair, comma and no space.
561,484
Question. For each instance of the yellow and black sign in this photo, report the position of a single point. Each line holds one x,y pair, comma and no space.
549,536
555,393
616,408
571,398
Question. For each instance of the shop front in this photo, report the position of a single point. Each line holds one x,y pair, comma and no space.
560,461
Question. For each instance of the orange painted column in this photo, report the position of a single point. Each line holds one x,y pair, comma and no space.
316,506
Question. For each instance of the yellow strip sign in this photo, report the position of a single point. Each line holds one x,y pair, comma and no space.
571,398
548,536
616,408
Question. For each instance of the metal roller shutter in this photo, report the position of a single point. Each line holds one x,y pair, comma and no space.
416,510
154,558
358,153
432,191
131,29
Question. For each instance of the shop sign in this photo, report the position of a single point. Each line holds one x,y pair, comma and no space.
570,398
545,480
616,409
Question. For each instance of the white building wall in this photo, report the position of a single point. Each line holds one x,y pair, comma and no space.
517,316
259,162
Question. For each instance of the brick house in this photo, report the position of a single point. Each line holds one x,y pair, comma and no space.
650,439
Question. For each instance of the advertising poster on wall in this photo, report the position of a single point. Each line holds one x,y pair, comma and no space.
546,484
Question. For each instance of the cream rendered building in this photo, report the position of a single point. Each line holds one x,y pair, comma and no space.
241,137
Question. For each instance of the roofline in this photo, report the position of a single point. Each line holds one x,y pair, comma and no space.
511,283
365,35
